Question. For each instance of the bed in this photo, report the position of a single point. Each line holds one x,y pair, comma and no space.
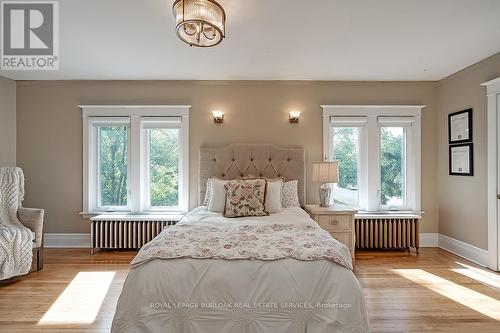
210,273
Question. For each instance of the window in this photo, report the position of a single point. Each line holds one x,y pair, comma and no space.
378,151
162,163
163,168
135,163
112,167
398,163
346,152
392,166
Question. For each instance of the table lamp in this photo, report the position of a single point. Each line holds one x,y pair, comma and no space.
324,173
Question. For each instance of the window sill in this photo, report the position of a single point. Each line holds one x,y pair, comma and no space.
127,216
390,214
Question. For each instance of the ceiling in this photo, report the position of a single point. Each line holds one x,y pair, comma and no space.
276,40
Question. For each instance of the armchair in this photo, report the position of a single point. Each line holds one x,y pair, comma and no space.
32,218
15,258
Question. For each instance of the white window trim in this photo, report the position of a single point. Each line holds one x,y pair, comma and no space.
135,113
393,114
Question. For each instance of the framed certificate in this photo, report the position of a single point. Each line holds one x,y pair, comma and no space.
462,160
460,126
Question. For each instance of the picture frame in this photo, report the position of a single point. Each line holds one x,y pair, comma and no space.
461,159
460,129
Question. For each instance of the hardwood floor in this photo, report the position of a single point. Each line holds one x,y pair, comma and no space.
432,292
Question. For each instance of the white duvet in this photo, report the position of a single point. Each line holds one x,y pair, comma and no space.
217,295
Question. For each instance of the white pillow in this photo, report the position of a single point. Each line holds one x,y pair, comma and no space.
290,194
208,191
273,196
217,198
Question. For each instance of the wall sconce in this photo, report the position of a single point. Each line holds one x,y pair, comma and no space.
218,117
293,116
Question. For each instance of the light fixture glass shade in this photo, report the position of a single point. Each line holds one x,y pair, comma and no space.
200,22
325,172
218,116
293,116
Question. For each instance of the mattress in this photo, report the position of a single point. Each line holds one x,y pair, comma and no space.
219,295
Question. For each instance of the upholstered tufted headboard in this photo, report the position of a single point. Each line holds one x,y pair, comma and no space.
261,160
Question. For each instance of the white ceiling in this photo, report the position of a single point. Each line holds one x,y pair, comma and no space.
277,40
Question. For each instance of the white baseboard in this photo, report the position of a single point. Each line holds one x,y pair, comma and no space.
67,240
464,250
83,240
429,239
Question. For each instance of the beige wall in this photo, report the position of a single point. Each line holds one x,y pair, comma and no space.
7,122
50,129
462,200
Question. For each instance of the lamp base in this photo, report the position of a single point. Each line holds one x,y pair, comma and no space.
324,195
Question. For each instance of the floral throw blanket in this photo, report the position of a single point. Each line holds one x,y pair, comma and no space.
260,242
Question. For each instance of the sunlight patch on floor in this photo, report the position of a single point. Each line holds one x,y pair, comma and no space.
80,302
478,274
465,296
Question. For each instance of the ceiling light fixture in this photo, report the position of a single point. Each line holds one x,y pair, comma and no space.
200,23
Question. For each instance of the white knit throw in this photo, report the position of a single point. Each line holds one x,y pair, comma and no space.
16,241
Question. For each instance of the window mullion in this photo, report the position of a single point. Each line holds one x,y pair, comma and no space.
372,164
417,168
363,167
134,165
144,167
184,164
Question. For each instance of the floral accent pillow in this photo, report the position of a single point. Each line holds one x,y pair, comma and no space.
245,197
290,196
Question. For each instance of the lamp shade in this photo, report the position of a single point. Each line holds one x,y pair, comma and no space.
325,172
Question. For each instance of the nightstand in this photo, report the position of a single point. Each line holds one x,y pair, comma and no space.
338,220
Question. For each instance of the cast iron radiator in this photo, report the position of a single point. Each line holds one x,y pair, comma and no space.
387,233
109,232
